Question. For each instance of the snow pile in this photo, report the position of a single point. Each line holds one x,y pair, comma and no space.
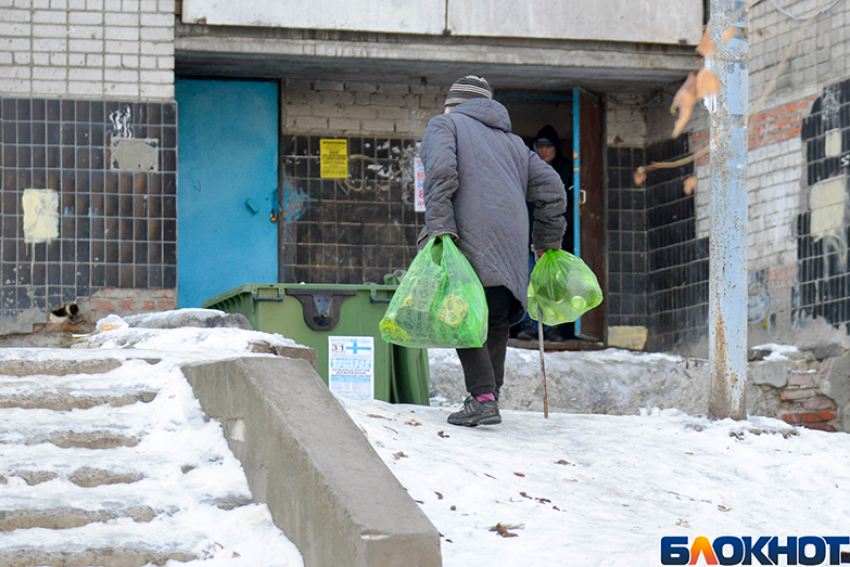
611,381
151,332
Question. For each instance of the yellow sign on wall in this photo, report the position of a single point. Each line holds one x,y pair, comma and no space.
333,159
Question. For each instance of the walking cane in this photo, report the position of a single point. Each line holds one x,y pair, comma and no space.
542,362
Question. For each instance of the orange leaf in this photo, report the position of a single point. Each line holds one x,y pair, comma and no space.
690,184
683,104
640,177
706,46
729,34
707,83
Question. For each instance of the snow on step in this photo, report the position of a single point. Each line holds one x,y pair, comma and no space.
120,468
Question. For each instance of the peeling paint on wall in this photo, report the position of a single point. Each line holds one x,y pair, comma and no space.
41,215
627,336
828,202
130,154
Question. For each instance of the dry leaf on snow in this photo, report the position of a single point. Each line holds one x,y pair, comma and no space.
502,531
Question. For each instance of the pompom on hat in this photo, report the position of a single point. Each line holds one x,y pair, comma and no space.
468,88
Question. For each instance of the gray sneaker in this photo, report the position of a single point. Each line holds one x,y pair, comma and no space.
475,413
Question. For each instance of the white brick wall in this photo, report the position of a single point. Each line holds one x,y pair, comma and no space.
87,48
775,199
625,122
817,60
337,108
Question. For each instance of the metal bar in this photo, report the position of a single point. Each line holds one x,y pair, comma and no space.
728,252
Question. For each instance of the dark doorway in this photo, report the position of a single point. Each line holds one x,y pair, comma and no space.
578,118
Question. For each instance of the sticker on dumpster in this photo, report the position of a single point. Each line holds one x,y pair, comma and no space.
419,185
351,367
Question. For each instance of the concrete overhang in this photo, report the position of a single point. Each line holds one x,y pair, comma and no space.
509,65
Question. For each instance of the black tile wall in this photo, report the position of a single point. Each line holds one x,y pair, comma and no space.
823,275
658,270
627,252
677,278
116,228
356,230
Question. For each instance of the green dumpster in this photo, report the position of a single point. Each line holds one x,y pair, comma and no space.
341,322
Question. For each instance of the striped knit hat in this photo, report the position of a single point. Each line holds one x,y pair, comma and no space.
467,88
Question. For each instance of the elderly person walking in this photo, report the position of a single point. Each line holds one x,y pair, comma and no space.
478,177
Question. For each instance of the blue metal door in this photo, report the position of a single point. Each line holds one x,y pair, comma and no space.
227,180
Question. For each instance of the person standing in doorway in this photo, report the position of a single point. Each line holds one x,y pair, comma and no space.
478,178
547,144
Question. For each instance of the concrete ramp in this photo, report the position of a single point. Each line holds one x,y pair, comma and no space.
306,459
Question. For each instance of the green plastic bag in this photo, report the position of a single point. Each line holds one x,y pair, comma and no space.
440,302
564,288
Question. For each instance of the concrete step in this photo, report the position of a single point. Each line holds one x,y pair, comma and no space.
62,386
99,427
94,557
86,477
97,439
61,518
10,397
30,366
89,473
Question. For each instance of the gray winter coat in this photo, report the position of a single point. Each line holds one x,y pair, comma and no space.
478,177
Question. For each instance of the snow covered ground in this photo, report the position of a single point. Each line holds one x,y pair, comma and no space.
589,490
575,489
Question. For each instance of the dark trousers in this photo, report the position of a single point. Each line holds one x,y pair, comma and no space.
484,367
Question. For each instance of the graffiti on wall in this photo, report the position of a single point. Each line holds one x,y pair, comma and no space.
758,302
293,203
374,175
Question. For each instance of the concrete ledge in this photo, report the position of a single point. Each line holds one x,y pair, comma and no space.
326,487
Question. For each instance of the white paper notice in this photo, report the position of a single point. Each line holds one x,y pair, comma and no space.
351,367
419,186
